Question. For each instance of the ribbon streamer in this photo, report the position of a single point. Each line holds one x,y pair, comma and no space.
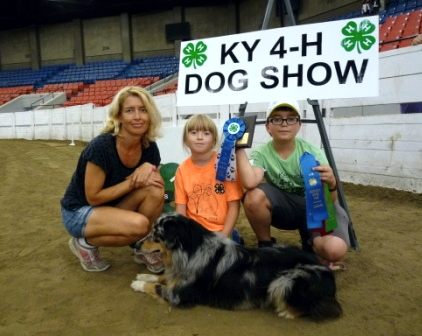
316,209
331,223
233,129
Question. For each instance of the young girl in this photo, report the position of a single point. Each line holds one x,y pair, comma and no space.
199,196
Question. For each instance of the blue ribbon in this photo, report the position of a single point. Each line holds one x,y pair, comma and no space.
233,129
316,209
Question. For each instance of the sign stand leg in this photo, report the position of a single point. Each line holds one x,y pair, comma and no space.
330,157
269,8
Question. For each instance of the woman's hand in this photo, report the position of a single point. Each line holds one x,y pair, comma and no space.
145,175
155,179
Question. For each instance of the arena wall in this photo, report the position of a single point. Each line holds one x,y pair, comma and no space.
52,53
103,37
324,10
149,34
380,150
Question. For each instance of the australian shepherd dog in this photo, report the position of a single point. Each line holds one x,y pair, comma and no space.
202,267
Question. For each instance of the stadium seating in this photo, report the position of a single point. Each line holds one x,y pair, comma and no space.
94,82
90,72
161,66
399,31
399,23
102,92
9,93
71,89
172,88
23,77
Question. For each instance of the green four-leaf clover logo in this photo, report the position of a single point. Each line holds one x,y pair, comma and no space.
195,54
359,38
233,128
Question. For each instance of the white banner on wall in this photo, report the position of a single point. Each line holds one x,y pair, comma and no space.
337,59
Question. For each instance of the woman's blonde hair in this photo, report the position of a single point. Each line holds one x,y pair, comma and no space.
113,125
200,122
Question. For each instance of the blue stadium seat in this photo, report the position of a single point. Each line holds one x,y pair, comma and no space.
411,5
400,8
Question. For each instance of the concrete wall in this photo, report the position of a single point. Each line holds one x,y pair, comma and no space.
149,38
102,39
211,21
57,53
324,10
15,49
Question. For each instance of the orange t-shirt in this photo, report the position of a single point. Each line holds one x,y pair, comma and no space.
205,197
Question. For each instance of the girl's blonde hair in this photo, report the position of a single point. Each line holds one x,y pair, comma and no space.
113,125
200,122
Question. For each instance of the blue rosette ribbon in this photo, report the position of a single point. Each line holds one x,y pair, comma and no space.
233,129
316,209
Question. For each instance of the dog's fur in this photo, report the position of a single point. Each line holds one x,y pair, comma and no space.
202,267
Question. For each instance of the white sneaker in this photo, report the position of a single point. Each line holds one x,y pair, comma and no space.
89,257
152,260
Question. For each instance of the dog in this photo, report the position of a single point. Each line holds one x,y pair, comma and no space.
203,267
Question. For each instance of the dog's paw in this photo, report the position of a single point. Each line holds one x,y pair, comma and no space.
147,277
138,285
286,314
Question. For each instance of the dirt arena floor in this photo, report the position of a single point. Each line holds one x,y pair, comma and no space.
44,291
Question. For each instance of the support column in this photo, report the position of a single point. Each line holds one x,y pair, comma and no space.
178,16
126,36
232,22
34,46
79,49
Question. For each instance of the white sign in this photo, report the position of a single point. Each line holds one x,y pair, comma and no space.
328,60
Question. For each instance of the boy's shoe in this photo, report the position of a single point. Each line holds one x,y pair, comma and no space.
152,260
89,257
268,243
236,237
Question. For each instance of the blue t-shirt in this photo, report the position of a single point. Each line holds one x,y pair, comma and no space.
102,152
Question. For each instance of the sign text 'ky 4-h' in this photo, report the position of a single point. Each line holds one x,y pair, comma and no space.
320,61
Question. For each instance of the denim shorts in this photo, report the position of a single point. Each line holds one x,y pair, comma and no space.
75,220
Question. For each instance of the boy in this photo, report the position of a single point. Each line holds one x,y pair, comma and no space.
280,201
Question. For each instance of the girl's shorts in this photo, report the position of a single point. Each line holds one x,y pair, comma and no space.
75,220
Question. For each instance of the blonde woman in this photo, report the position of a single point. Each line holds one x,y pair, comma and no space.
116,193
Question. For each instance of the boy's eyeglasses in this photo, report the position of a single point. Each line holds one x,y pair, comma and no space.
279,121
